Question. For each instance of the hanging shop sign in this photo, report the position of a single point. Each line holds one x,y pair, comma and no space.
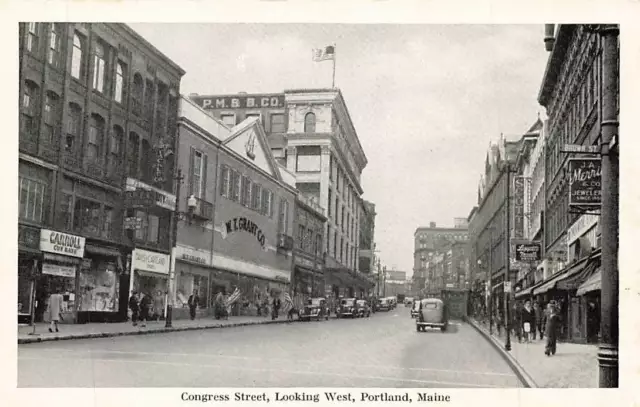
527,252
240,102
140,194
585,176
518,207
243,225
150,261
58,270
61,243
193,255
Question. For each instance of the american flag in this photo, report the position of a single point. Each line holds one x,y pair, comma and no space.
327,53
288,303
233,297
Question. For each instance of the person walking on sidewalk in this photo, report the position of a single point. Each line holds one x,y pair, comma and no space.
55,310
276,307
539,318
145,307
193,302
134,306
552,325
528,321
158,305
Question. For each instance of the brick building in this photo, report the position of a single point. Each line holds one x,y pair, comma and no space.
95,99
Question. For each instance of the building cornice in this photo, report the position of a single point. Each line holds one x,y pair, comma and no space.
554,63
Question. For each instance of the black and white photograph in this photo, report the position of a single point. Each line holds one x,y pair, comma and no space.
299,206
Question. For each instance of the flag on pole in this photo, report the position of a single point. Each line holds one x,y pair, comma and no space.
288,303
327,53
233,297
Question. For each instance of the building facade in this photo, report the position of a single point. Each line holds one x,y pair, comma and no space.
238,209
367,238
308,250
316,140
95,99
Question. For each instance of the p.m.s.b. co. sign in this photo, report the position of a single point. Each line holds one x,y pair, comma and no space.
528,251
585,175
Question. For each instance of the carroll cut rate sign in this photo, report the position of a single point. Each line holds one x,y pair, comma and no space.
585,176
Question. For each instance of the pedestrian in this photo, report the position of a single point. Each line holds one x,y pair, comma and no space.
55,310
134,306
158,305
276,307
539,318
552,325
145,306
528,318
193,302
516,321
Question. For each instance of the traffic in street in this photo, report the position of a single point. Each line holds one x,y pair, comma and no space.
383,350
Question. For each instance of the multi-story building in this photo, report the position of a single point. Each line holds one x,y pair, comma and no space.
239,213
311,132
97,103
308,261
572,93
367,237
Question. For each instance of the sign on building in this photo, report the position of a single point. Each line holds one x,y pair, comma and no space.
150,261
240,102
528,252
518,207
61,243
585,181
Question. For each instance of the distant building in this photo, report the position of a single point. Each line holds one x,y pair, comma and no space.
367,234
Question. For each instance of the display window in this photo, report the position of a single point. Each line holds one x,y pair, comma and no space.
49,284
148,284
189,282
99,286
24,286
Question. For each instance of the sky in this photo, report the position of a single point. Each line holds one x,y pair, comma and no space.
426,100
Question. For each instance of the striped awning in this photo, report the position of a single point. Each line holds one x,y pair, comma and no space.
524,292
564,275
593,283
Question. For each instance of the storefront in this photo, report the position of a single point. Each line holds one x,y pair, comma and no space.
308,278
29,257
62,258
150,273
193,271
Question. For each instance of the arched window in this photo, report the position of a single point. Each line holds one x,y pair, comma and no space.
120,75
28,119
148,100
74,126
137,94
310,123
115,149
96,136
51,110
76,56
133,154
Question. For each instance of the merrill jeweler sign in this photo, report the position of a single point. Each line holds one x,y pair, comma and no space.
585,181
61,243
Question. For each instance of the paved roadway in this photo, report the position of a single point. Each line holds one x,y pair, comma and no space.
382,351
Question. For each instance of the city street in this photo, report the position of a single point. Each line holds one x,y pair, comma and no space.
382,351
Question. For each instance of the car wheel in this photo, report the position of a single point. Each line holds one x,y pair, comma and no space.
444,328
417,328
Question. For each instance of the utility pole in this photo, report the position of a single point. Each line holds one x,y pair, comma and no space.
608,349
507,275
175,217
490,287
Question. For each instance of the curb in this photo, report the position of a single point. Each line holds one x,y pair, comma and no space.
517,368
22,341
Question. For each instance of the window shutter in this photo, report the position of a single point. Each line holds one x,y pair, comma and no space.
191,160
203,188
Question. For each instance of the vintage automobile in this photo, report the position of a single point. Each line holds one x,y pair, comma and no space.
393,301
315,308
415,308
384,305
432,313
347,308
364,310
408,302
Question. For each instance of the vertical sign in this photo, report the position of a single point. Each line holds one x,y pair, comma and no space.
518,207
585,181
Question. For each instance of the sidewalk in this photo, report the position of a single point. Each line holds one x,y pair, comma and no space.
105,330
573,366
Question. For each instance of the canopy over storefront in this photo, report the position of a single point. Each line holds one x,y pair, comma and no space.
593,283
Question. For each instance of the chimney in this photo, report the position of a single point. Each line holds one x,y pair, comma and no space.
549,37
432,225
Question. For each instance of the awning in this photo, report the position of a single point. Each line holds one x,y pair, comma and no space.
524,292
105,251
150,274
593,283
564,275
573,281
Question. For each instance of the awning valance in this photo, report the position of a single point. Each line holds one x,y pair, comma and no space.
573,281
593,283
564,275
524,292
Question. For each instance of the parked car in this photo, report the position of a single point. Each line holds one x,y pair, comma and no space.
315,308
408,301
384,305
364,310
394,302
432,313
415,309
347,308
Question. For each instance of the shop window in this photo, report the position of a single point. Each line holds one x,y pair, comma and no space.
119,96
99,67
31,198
33,37
189,282
51,110
310,123
256,197
228,119
76,56
99,286
74,125
308,159
277,123
28,117
87,216
224,181
137,95
53,56
245,198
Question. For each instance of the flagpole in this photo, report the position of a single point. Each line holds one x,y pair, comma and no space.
333,81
